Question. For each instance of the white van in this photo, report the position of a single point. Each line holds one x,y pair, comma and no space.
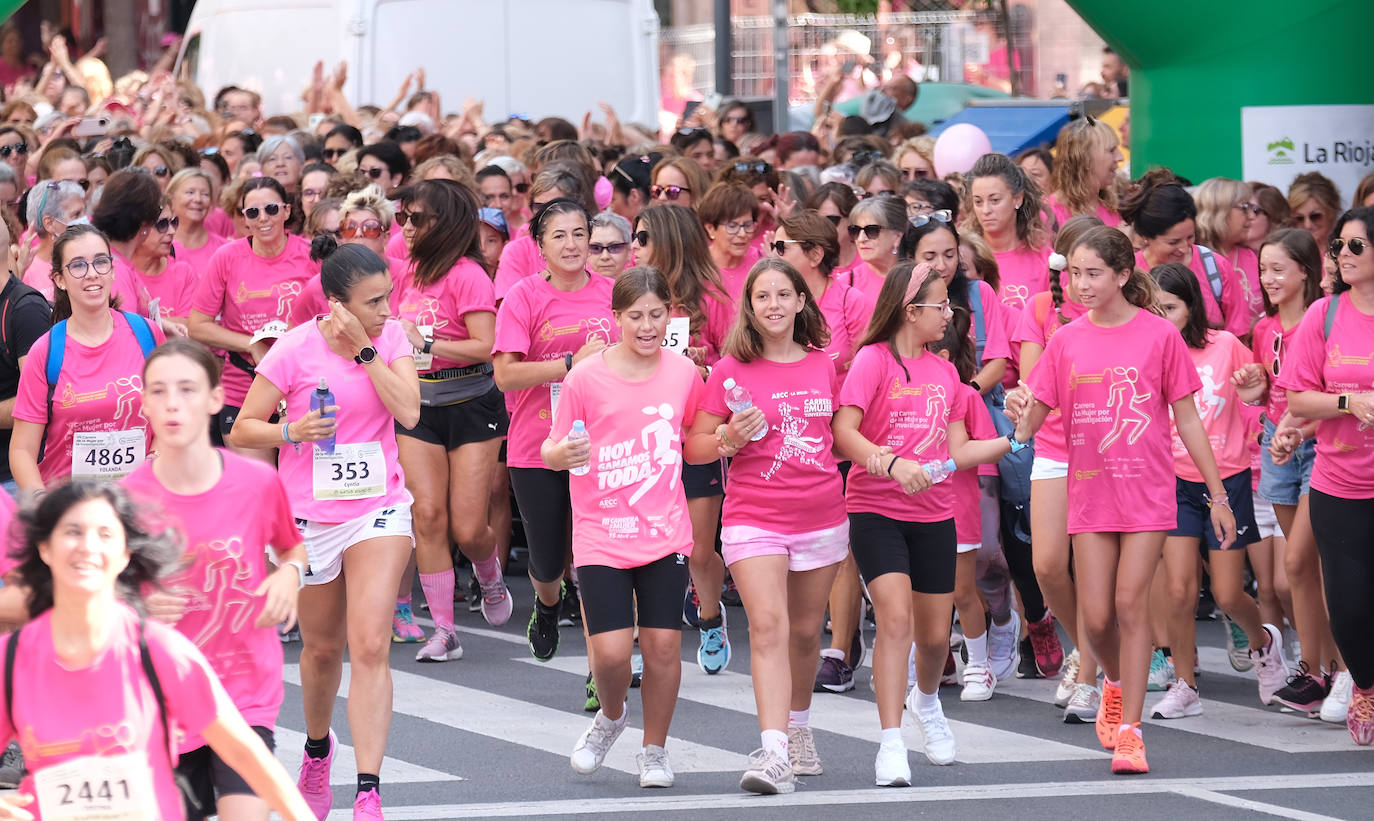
531,57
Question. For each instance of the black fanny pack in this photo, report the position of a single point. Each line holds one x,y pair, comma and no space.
451,386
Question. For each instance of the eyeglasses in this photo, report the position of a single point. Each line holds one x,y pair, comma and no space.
736,119
836,219
272,209
18,148
79,268
488,199
738,228
917,208
159,171
1278,354
333,153
943,306
85,184
374,172
313,193
522,188
779,246
870,231
1250,208
668,192
1357,246
369,229
641,238
865,157
419,219
910,174
943,215
166,224
756,167
597,249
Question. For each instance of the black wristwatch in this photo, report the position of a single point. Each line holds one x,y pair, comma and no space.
1343,403
366,355
567,361
429,343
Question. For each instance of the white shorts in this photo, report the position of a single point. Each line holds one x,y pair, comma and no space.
1042,468
325,543
1265,519
967,548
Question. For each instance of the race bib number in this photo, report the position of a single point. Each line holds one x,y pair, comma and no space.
97,788
679,328
424,361
108,454
555,391
356,471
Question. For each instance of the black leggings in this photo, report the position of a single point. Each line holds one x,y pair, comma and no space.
545,510
1018,555
1343,529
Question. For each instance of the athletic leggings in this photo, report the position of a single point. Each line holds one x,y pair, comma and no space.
545,510
1018,555
1344,529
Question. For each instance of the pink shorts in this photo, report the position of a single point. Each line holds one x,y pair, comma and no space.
804,551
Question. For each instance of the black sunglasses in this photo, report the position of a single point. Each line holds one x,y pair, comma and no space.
18,148
1356,245
870,231
272,209
641,238
374,172
756,167
417,218
861,158
522,188
836,219
333,153
166,224
597,249
160,171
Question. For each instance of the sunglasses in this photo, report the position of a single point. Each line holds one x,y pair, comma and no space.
756,167
369,229
597,249
1250,208
204,152
101,264
373,172
943,215
18,148
911,174
160,171
1278,354
780,246
737,120
641,238
865,157
522,188
693,132
166,224
836,219
272,209
870,231
419,219
1356,245
333,153
85,184
670,192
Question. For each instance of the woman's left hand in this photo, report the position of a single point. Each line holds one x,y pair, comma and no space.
343,331
279,592
877,461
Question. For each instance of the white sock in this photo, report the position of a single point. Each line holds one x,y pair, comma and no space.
977,648
799,718
892,737
775,741
927,702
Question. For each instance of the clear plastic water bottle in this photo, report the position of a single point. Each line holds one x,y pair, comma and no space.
939,471
737,399
579,434
321,399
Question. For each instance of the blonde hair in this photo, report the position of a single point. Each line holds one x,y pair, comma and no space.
1072,177
697,179
455,167
923,145
1315,186
370,198
1215,198
184,176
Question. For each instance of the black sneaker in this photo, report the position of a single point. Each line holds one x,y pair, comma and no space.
1304,691
569,605
11,767
1027,668
474,595
730,595
542,631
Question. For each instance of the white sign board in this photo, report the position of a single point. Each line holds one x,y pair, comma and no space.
1279,142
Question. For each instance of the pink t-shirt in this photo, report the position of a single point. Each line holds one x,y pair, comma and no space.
221,224
718,317
1117,385
794,460
868,281
520,259
1245,262
1339,362
1062,215
132,296
1039,323
312,301
1269,342
968,497
733,278
99,390
630,508
1023,271
39,277
396,246
999,324
542,323
170,292
442,306
107,708
227,531
249,291
847,312
911,416
295,365
1232,313
199,258
1221,410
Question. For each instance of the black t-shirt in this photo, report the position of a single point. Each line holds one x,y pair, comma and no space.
24,316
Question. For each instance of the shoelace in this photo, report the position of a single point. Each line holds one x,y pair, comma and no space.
714,640
440,638
494,591
936,728
1361,708
1111,709
769,764
314,771
656,760
807,741
370,801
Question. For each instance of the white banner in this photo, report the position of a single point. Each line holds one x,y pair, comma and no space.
1279,142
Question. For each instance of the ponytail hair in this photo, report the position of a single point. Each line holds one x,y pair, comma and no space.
1069,235
1116,251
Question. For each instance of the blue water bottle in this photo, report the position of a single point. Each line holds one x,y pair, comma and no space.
321,399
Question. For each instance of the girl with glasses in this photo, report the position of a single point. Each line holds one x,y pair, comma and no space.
1225,216
730,214
191,194
678,180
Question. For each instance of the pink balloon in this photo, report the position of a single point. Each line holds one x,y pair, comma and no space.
958,147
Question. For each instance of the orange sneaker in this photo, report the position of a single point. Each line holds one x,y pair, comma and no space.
1109,714
1129,757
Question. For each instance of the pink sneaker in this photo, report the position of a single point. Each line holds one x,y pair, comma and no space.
1359,718
496,601
404,630
1049,653
314,780
367,806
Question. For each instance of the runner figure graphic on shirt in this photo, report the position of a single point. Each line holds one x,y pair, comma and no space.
937,410
1128,410
664,433
795,445
224,590
1209,403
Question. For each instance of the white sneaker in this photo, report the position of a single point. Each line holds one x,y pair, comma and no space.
1237,646
1337,703
768,774
939,740
1270,670
1064,691
1002,647
653,767
1083,705
891,768
978,682
596,741
1181,701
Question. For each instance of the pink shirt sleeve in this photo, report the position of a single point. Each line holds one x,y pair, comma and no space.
209,297
1302,370
520,259
997,323
512,325
1234,306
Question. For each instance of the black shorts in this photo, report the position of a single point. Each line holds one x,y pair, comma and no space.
223,422
923,551
611,596
545,509
209,777
703,481
452,426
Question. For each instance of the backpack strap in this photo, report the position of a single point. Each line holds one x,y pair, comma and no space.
11,650
188,795
975,303
57,349
1330,319
143,332
1209,264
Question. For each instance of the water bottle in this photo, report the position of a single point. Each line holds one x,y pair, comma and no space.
939,471
737,399
579,434
320,399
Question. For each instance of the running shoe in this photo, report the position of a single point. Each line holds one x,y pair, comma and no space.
801,751
1269,667
443,645
1237,646
592,703
1109,715
1359,719
1181,701
949,677
1083,705
691,606
1161,672
1026,666
1065,690
368,806
1304,691
834,676
569,605
595,742
939,741
1049,652
636,670
404,630
730,595
1129,756
496,602
314,780
979,682
891,767
11,767
541,634
654,770
856,650
1336,707
768,774
1002,647
714,653
290,636
474,596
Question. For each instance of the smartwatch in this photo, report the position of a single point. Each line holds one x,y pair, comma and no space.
300,569
1017,446
973,383
567,361
429,344
1343,403
366,355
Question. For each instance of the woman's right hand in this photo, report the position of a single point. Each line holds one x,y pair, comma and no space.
1018,401
1284,444
167,606
314,426
877,461
1362,407
911,476
11,804
570,454
593,346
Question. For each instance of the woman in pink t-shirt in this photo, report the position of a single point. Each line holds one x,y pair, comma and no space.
1216,355
129,204
900,411
834,201
225,598
1224,217
52,206
1327,376
192,200
631,527
521,258
875,227
170,283
97,693
88,423
1087,154
807,241
347,490
730,213
448,312
1005,211
1119,370
783,559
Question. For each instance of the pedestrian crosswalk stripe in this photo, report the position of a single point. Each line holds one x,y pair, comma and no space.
291,746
